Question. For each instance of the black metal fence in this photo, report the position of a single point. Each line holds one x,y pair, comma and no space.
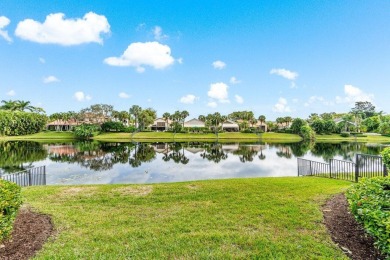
366,166
31,177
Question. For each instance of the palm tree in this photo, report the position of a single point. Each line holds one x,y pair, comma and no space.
262,120
135,110
202,118
287,120
184,114
166,117
253,121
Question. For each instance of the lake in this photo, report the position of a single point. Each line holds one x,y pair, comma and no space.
104,162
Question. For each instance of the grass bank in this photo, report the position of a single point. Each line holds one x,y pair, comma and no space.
366,139
42,136
165,136
262,218
169,137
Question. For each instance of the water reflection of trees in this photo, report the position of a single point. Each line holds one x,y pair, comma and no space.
142,153
246,153
20,155
213,152
97,156
175,152
92,155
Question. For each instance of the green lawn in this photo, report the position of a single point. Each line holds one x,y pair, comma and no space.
169,137
338,138
46,135
262,218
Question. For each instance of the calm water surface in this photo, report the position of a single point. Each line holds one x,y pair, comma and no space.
103,163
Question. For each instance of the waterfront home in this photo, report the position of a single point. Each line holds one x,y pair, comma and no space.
160,124
194,123
62,125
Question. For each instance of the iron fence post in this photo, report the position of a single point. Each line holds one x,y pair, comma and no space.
311,171
330,168
357,168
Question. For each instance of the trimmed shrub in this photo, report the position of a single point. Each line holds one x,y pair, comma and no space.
15,123
112,127
345,134
369,201
10,201
85,131
386,156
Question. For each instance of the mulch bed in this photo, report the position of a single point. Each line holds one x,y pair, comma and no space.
346,232
31,230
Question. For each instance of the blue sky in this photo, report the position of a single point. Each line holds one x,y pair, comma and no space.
277,58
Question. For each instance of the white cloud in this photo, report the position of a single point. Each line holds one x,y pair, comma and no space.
149,100
80,96
50,79
158,33
219,64
4,22
58,30
141,54
239,99
281,106
234,80
180,60
123,95
188,99
287,74
212,104
11,93
42,60
295,100
219,91
354,94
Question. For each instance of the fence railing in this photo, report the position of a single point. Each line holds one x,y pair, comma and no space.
366,166
30,177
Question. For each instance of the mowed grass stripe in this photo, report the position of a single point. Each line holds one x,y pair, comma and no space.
266,218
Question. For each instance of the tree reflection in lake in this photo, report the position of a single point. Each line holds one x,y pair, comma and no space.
17,156
213,152
103,156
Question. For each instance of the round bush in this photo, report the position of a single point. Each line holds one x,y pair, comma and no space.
345,134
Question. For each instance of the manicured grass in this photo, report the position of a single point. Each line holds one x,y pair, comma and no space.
46,135
338,138
262,218
166,136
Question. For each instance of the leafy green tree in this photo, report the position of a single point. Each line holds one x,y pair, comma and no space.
85,131
146,117
297,124
307,133
327,116
329,126
318,126
372,123
365,108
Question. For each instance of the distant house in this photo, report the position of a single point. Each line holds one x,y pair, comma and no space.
160,125
194,123
262,126
62,125
230,126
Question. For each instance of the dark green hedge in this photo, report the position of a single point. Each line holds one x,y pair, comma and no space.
10,201
14,123
369,201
